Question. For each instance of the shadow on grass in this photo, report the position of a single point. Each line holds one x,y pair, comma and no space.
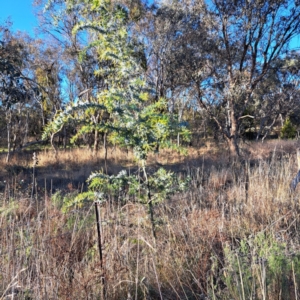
69,170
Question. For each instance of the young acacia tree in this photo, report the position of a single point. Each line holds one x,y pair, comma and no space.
129,117
122,101
105,28
77,70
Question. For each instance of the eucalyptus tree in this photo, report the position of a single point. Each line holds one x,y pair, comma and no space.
278,96
17,88
236,46
44,62
56,26
173,35
250,37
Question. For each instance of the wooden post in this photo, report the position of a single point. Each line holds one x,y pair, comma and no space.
98,219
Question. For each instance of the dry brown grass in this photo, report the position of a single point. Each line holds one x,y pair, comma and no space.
259,150
46,254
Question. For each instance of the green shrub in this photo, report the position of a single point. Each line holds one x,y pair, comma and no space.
288,130
259,268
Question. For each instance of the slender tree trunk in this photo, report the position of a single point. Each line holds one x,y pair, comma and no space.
269,128
233,146
14,144
65,138
42,114
232,139
180,110
52,144
25,139
8,120
96,134
105,150
261,126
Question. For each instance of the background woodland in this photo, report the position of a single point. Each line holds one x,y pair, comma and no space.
147,151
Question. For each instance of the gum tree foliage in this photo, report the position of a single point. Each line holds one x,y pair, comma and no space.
30,86
45,65
122,103
174,40
18,90
13,88
241,47
278,95
251,36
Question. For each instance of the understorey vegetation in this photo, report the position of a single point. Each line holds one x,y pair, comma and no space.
216,229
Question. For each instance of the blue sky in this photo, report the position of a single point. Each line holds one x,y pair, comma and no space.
22,16
20,13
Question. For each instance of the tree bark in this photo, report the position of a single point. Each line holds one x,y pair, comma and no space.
96,141
52,144
8,120
232,139
233,146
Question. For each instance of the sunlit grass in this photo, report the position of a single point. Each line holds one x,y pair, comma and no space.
232,235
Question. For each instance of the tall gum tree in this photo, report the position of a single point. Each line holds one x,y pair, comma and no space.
18,90
250,36
237,53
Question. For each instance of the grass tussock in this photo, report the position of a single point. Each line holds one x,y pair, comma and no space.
232,235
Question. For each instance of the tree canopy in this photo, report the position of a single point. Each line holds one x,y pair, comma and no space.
232,65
